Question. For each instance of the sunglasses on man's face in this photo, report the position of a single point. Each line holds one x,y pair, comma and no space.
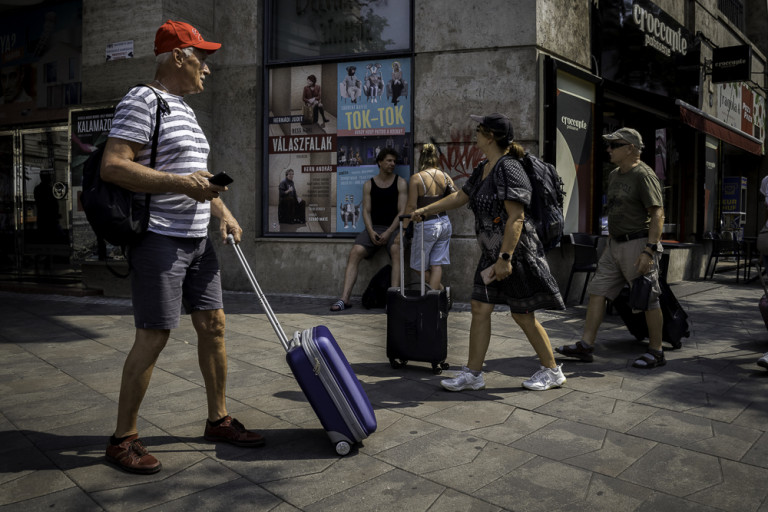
616,145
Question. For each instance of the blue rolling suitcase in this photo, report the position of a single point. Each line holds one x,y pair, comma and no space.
324,375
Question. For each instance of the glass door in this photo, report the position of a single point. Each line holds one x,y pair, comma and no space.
9,262
34,204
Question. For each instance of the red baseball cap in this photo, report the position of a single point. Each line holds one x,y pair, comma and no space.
177,34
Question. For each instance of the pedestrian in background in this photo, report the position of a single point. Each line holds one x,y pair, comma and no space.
635,225
428,186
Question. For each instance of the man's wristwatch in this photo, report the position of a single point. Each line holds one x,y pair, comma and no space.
657,247
505,256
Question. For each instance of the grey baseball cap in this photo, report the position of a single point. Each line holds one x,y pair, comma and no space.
627,135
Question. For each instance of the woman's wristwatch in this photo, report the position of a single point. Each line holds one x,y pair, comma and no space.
505,256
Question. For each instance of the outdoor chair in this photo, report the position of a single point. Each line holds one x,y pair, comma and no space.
723,248
584,259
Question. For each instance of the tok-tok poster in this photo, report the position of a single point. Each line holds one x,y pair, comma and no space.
374,112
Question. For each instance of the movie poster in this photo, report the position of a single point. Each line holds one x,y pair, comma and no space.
327,124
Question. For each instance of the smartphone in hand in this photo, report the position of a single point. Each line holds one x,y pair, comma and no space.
222,179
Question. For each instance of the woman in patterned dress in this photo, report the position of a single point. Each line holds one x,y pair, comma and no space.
498,193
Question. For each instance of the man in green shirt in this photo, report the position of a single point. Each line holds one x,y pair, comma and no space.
635,223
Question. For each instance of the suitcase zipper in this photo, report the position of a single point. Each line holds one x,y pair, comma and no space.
322,371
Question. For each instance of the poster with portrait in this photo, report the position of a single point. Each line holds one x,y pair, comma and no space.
326,126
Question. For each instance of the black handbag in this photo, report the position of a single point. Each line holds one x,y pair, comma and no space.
640,293
115,214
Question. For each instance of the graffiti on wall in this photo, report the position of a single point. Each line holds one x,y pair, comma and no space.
460,156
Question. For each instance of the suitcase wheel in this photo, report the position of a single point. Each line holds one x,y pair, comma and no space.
397,364
437,368
343,448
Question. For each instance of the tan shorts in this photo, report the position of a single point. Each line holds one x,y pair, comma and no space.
616,268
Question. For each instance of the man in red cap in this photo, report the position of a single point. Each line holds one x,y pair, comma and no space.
174,264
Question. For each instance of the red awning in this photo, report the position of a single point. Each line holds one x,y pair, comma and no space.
705,123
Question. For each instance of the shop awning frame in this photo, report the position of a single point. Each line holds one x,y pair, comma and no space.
708,124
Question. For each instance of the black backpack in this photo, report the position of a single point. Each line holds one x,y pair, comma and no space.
115,214
546,206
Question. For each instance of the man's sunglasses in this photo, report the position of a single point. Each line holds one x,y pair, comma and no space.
616,145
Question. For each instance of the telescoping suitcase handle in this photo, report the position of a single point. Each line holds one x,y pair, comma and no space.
260,294
402,257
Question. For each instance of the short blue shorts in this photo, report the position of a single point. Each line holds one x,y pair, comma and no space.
437,237
170,272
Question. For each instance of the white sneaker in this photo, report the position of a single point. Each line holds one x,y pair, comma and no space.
763,361
464,380
546,378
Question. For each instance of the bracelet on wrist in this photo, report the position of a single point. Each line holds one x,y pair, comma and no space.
648,253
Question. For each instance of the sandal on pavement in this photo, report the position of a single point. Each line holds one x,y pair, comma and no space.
579,350
650,360
340,305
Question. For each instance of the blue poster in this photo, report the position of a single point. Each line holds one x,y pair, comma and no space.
374,98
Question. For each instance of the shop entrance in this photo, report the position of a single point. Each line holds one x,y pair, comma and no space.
35,199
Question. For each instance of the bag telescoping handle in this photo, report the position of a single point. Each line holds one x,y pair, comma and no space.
402,257
260,294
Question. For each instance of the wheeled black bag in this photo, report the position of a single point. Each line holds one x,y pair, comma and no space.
675,318
417,320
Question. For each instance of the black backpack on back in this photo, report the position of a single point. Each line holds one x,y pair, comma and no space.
117,215
546,206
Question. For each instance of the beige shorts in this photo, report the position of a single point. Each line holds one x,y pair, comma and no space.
616,268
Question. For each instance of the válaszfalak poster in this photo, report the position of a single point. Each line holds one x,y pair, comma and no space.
327,123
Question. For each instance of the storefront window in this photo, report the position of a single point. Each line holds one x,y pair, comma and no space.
327,123
339,90
311,29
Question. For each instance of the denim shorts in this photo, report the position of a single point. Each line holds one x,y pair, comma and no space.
170,272
437,238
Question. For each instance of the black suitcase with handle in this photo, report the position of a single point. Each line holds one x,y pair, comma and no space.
417,319
675,318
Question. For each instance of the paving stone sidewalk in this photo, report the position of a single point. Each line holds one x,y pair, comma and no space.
688,436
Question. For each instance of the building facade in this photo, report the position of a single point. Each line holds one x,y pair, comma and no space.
565,72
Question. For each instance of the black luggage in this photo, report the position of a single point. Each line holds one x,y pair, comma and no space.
324,375
417,320
375,295
675,318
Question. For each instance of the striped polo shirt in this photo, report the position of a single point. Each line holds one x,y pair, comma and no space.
182,149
